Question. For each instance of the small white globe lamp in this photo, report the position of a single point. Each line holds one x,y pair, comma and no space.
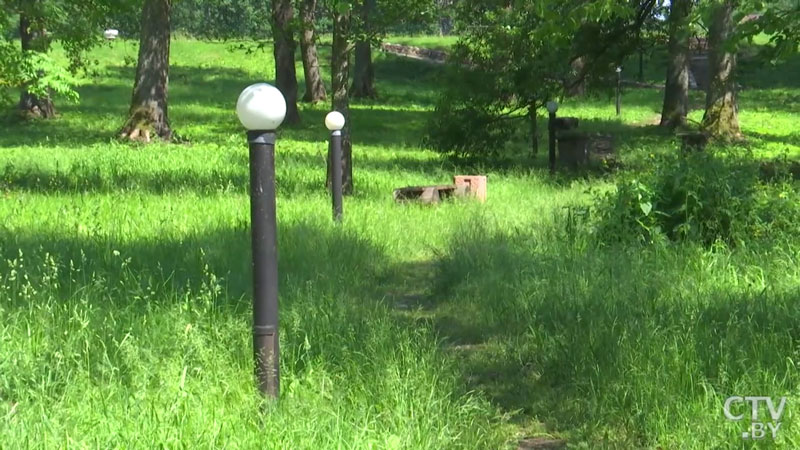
111,34
334,121
552,107
261,107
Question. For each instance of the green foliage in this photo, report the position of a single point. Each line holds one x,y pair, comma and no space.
700,197
516,58
76,25
37,72
222,18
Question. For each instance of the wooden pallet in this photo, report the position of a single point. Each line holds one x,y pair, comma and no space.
428,194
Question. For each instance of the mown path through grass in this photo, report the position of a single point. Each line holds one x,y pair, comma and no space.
410,289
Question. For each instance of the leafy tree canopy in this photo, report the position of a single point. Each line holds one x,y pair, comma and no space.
515,55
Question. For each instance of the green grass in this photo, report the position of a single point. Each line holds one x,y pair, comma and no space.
125,284
424,41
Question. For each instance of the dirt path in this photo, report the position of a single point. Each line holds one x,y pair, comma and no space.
410,291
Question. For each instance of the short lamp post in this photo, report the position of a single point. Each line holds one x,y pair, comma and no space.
552,108
334,121
619,90
261,109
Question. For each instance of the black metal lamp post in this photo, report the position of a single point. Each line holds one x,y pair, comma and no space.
619,89
261,109
334,121
552,107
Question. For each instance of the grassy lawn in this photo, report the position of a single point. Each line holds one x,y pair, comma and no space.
125,282
424,41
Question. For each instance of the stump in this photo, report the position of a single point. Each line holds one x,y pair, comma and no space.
601,151
693,141
573,149
565,123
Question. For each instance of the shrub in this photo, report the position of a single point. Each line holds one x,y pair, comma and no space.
699,197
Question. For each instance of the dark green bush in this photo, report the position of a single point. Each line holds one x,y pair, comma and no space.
700,197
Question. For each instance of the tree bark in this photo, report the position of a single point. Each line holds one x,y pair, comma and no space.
340,72
148,116
578,89
364,74
445,21
676,92
315,88
30,105
285,73
534,129
721,118
640,77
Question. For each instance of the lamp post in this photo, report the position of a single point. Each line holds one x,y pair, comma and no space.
334,121
261,109
552,107
619,88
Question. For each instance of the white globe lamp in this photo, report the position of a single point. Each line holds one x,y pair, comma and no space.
261,107
334,121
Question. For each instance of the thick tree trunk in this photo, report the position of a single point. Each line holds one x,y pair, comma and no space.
148,116
340,71
445,20
721,118
364,74
640,77
32,106
676,92
534,129
285,73
315,88
578,89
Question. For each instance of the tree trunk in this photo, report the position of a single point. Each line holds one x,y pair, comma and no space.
721,118
641,66
364,74
340,72
578,89
534,129
285,73
148,114
315,88
32,106
676,92
445,20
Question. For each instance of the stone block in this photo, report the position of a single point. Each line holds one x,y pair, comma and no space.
473,185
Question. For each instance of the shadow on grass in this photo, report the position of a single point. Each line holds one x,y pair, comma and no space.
308,253
593,341
83,179
324,271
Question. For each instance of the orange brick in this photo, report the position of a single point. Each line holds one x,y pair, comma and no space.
475,185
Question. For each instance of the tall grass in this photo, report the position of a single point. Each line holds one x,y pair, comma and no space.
125,286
